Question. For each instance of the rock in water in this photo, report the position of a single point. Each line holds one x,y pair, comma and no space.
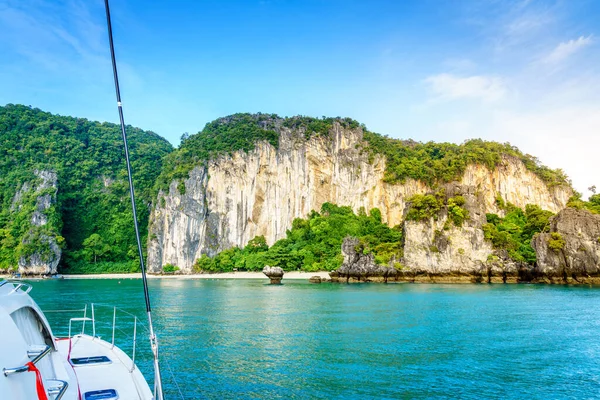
315,279
356,265
275,274
360,266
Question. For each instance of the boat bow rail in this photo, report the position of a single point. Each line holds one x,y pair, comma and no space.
114,323
17,286
113,326
102,340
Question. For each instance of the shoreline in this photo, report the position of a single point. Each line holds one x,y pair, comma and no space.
324,275
293,275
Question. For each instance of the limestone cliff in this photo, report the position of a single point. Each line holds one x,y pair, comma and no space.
40,252
237,197
570,251
359,266
437,247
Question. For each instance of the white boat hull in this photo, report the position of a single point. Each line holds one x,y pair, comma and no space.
37,365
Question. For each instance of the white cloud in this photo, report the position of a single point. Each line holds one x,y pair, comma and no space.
564,137
447,87
55,36
513,25
565,49
550,107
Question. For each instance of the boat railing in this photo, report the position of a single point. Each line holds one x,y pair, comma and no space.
58,387
17,286
107,321
90,318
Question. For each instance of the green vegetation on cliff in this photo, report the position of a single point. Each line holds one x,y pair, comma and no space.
592,205
91,218
425,206
514,232
222,136
242,131
428,162
318,126
556,242
313,244
444,162
19,238
457,213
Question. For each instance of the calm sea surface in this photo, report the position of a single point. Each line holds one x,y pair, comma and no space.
245,339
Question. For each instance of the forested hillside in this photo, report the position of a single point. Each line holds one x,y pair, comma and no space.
313,244
91,219
87,210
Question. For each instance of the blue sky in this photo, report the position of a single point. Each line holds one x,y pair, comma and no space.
521,71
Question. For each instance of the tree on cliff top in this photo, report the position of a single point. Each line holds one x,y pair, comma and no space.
592,205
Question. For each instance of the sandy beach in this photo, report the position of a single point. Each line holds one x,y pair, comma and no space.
294,275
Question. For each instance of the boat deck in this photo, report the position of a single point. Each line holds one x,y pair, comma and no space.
101,367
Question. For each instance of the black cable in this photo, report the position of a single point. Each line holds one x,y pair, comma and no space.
131,191
158,390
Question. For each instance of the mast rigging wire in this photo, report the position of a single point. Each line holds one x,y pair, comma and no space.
153,342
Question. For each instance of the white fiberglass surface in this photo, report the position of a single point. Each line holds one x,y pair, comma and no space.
31,329
117,374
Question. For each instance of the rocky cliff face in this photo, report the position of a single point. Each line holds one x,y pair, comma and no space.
570,252
436,247
260,192
42,252
359,266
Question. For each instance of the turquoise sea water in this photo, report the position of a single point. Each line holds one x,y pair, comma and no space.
247,339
